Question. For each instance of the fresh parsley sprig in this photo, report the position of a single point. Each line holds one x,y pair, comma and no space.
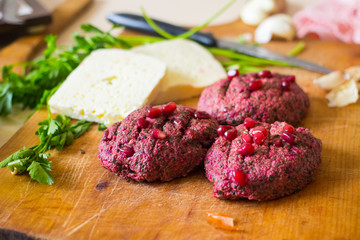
53,133
30,160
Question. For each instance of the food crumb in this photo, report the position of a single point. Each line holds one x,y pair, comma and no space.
221,221
101,186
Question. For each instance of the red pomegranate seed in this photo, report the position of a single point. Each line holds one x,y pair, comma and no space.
265,74
289,138
128,151
255,85
259,138
143,123
249,122
263,130
246,149
278,142
222,129
232,73
156,133
285,85
153,112
240,177
169,109
246,138
291,78
231,134
201,115
288,128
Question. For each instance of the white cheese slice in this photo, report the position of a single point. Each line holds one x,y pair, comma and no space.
190,68
108,85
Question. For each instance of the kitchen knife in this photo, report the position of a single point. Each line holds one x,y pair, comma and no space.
22,17
138,23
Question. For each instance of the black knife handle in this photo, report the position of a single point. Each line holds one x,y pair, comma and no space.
138,23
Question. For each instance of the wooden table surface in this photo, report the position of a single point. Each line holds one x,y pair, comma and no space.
88,202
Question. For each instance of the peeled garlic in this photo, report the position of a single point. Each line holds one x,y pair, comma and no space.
276,26
330,81
343,95
344,86
353,73
255,11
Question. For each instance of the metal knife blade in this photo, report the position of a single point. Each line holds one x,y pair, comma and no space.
267,54
138,23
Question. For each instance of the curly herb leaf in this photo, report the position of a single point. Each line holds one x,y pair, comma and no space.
40,169
101,127
54,133
5,99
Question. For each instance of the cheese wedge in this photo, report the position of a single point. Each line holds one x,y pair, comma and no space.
108,85
190,68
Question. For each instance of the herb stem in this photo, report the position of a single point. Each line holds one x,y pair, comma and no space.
297,49
198,28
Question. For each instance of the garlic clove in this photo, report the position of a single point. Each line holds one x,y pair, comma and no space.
353,73
252,15
276,26
255,11
253,18
343,95
330,81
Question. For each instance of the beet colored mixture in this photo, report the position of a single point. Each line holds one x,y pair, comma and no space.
264,96
262,161
157,143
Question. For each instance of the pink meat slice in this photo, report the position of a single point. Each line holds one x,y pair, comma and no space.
331,20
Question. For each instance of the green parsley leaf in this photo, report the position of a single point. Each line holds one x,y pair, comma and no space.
102,127
53,133
53,127
24,153
91,29
40,171
5,99
80,128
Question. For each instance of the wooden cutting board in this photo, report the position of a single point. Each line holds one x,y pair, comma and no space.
88,202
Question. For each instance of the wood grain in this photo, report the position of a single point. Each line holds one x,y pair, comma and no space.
88,202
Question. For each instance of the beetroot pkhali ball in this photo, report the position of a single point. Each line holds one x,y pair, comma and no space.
265,97
265,162
157,143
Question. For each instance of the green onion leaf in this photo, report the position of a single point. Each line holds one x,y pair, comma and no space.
297,49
